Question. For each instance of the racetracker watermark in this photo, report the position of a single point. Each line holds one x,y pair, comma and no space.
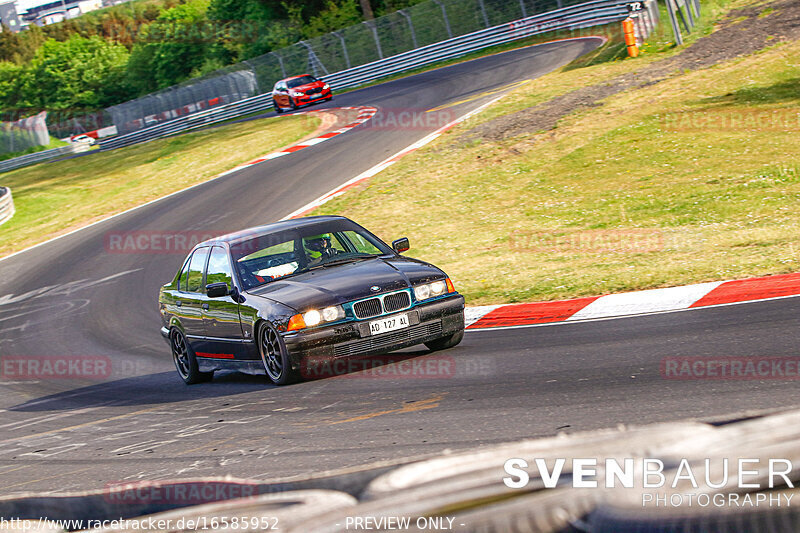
26,368
179,493
155,242
410,118
730,368
637,240
787,119
395,366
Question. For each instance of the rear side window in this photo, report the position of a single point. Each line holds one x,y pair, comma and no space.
194,279
184,273
219,268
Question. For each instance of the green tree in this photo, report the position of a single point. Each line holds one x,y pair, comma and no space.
334,17
79,73
10,90
173,46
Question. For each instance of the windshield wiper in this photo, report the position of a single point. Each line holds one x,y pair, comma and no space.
342,261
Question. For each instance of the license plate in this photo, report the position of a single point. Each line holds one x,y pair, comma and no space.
316,96
388,324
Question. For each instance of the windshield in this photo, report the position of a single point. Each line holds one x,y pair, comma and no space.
302,80
265,258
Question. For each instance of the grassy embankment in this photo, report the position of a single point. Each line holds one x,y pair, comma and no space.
626,196
54,198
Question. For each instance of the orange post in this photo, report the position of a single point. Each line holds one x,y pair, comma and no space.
630,37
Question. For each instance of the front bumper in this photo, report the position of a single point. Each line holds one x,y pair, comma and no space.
427,322
310,99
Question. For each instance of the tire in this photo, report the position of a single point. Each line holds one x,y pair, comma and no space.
278,109
275,356
185,360
444,343
292,105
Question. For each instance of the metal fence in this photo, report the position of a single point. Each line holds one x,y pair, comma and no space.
38,157
565,20
414,28
24,134
190,97
6,205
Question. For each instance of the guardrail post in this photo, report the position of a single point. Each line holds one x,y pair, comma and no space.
522,8
446,20
371,25
483,12
344,48
673,20
410,26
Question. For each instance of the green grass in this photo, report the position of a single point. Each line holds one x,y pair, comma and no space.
55,198
616,198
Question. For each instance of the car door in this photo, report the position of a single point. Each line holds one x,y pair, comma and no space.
190,298
282,95
223,330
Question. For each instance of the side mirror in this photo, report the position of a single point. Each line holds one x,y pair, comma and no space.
401,245
217,290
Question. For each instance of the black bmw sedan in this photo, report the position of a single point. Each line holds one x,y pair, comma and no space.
267,299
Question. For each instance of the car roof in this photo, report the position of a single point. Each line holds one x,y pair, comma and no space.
293,77
249,233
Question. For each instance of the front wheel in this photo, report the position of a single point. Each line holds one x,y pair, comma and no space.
292,105
275,356
185,361
444,343
278,109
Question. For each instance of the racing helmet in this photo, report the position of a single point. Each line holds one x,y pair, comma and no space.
316,244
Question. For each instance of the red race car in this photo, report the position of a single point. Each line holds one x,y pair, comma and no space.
298,91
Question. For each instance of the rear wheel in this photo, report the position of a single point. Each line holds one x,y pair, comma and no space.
444,343
185,361
275,356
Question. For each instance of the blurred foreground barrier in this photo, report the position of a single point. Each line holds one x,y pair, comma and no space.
6,205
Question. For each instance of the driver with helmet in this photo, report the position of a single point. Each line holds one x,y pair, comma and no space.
318,248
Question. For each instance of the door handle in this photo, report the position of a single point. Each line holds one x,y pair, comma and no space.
205,306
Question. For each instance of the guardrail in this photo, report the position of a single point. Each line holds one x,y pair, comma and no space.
585,15
38,157
6,205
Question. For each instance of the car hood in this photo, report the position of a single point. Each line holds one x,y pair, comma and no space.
308,86
351,281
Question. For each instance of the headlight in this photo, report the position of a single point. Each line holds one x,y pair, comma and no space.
438,288
312,318
326,86
315,317
433,289
423,292
329,314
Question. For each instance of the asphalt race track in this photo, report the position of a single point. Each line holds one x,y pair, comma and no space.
71,297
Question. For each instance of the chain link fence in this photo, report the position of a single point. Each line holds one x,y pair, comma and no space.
418,26
24,134
188,97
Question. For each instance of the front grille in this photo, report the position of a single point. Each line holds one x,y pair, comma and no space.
395,302
314,91
367,308
389,341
